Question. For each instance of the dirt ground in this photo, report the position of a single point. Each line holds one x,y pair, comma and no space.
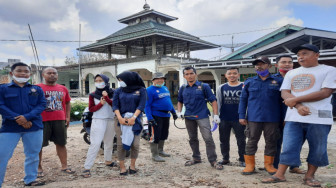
171,173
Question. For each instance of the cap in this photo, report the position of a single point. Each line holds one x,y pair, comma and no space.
158,75
263,59
306,46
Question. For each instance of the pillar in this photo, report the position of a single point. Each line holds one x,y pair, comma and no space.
153,45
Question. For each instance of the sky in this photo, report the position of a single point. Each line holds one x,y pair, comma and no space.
58,20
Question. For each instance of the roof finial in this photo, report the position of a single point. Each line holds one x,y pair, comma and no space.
146,6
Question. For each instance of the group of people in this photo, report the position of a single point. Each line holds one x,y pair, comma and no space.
289,108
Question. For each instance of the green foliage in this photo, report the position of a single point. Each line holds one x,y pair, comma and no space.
77,106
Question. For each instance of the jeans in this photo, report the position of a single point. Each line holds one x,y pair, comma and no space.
316,135
32,144
224,137
204,126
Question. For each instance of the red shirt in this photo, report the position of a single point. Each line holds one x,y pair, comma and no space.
57,96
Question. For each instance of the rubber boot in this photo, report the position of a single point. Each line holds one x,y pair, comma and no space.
268,162
250,165
155,153
161,152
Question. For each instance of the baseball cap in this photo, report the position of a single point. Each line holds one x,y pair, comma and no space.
158,75
306,46
263,59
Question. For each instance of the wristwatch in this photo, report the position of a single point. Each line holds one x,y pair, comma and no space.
135,117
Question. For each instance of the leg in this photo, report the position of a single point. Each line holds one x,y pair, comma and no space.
6,151
135,148
108,141
241,139
271,134
278,151
164,136
120,150
59,137
156,132
191,126
62,155
204,125
32,144
224,138
96,137
47,130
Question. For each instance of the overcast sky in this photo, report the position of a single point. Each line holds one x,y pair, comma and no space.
60,19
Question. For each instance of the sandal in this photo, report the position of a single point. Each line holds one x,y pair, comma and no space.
68,171
132,171
297,170
217,166
113,164
192,162
123,173
40,174
86,173
311,182
273,179
35,183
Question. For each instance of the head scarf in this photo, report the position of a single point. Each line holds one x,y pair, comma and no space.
133,81
99,92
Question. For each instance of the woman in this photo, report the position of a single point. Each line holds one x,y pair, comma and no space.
128,104
102,127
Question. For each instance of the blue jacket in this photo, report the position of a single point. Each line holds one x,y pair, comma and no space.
28,101
158,102
193,97
261,99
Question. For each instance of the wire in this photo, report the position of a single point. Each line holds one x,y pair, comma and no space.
239,32
7,40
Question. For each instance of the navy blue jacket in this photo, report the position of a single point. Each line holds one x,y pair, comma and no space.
261,99
158,101
194,100
28,101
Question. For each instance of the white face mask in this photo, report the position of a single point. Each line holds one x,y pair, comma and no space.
21,80
100,85
122,84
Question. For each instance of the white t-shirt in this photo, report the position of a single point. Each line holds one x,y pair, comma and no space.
303,81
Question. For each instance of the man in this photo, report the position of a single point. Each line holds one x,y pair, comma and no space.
307,92
228,95
284,63
158,109
56,117
194,96
21,105
261,100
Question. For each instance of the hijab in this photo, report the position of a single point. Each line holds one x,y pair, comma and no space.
133,81
98,94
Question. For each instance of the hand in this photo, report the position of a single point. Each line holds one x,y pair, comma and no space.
303,110
131,121
178,114
216,119
21,120
243,122
122,121
28,125
102,101
152,123
290,102
104,93
67,122
175,116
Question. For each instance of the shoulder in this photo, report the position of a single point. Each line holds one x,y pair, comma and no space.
221,86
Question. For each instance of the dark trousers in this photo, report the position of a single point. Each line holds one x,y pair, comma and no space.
224,137
161,130
253,133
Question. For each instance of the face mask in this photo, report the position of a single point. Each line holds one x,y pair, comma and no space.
284,70
122,84
21,80
100,85
263,73
159,85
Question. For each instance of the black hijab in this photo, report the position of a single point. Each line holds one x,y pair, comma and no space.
133,81
99,92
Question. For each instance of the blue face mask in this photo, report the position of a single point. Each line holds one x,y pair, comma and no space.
159,85
263,73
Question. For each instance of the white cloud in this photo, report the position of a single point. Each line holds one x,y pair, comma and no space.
287,20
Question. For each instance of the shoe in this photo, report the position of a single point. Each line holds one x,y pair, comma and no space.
123,173
242,164
224,162
35,183
268,163
132,171
160,147
155,153
250,165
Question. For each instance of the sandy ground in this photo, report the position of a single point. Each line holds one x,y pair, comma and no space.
172,173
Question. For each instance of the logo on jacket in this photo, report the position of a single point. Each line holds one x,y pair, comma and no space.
157,91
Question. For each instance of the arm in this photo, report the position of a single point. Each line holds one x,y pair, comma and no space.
312,97
140,108
120,119
243,105
67,113
148,107
92,106
4,110
106,98
219,98
215,107
302,110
